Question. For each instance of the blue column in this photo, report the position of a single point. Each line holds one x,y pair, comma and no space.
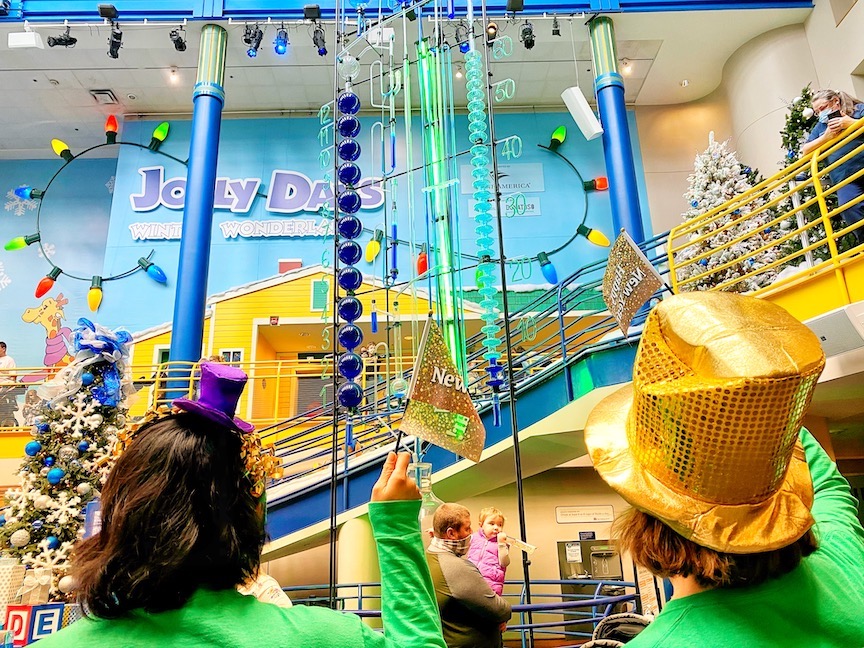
617,149
190,297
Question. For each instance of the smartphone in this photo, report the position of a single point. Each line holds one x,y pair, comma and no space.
835,114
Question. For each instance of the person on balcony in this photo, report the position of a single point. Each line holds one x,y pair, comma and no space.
732,499
837,111
473,616
183,526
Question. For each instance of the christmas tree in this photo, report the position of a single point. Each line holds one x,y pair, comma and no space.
70,454
799,122
718,177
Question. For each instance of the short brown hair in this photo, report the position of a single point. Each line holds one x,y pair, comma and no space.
491,512
450,516
177,514
657,547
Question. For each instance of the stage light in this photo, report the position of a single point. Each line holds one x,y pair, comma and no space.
63,40
556,29
491,32
280,45
176,37
318,40
462,37
252,39
526,35
115,41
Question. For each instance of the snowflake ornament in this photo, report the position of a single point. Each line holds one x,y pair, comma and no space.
78,413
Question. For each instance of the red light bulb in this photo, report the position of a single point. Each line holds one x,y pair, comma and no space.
111,129
47,282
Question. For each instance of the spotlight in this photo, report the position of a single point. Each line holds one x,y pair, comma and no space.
491,32
462,36
63,40
108,11
556,30
318,40
115,41
526,35
311,12
173,77
281,42
252,38
176,36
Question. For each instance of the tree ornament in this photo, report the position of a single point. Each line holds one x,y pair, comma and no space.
83,488
42,502
83,446
37,524
32,448
87,378
67,584
67,452
21,538
55,476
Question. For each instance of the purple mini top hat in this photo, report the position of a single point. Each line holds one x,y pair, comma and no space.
219,390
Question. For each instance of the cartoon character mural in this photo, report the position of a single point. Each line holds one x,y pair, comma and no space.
50,315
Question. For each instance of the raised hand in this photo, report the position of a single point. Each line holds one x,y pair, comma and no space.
394,482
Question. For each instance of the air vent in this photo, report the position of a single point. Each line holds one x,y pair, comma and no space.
104,97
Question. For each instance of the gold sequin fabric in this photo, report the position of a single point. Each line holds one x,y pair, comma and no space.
705,438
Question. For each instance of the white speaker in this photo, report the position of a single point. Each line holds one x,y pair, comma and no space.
18,40
582,114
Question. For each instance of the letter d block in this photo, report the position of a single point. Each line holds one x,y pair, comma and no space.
18,621
45,619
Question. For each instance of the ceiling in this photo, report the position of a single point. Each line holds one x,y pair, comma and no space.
46,93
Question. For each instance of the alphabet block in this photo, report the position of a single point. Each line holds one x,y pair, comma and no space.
18,622
45,619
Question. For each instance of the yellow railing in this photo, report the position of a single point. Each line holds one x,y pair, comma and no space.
809,248
275,391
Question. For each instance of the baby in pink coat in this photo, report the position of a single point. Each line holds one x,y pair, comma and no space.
489,550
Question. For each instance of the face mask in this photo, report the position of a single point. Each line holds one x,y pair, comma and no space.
457,547
823,116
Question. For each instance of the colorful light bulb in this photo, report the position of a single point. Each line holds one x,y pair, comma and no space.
373,247
595,236
600,183
47,282
61,148
422,261
153,271
111,129
159,135
22,241
94,295
558,137
547,268
28,193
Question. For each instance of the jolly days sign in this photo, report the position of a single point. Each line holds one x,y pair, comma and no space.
290,192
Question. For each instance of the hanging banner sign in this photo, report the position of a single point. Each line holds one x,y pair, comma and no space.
629,281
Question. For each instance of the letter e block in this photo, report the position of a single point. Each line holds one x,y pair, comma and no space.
45,619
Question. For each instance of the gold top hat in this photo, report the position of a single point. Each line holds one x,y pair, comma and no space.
705,438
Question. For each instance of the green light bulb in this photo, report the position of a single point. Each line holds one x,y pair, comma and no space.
558,137
159,135
21,241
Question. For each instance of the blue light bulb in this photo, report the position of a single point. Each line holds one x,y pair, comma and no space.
464,47
156,274
251,52
547,268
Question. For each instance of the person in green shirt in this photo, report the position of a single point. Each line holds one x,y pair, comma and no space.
732,499
183,526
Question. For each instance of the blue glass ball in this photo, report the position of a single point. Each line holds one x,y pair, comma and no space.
694,203
349,149
349,278
349,173
349,226
53,542
350,252
348,126
350,201
83,446
350,394
32,448
349,308
348,103
55,476
87,378
42,427
37,524
2,519
350,365
48,461
350,336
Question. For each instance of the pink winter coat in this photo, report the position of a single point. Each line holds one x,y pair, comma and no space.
484,553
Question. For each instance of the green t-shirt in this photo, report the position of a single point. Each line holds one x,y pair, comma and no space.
226,618
819,604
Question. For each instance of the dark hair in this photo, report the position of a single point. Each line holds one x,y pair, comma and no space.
177,515
2,345
657,547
